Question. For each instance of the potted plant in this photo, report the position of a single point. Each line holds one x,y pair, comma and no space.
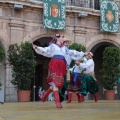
22,60
110,70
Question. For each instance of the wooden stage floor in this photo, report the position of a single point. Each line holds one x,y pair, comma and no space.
88,110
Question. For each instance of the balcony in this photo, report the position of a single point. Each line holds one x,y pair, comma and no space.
91,4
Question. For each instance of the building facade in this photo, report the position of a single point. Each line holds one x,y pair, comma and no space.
26,24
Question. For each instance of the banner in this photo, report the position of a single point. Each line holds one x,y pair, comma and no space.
54,14
109,16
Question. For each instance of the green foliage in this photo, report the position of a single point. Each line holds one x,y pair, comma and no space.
110,70
1,53
23,63
77,47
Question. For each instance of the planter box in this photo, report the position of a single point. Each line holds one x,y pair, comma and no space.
23,96
109,95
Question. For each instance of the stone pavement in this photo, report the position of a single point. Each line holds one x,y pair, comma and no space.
88,110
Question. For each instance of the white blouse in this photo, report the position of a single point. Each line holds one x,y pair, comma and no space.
54,49
88,66
76,69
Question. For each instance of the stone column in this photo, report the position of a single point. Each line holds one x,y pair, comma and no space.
10,93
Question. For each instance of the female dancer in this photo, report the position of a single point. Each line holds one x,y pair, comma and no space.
57,65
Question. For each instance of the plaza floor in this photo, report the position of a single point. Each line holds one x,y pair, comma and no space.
88,110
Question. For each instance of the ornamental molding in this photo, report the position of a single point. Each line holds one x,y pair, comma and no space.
80,32
16,25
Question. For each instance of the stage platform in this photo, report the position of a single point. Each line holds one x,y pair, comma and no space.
88,110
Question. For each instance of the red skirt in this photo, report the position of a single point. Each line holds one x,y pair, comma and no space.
57,68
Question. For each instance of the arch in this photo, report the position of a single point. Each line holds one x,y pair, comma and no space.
39,33
97,44
110,38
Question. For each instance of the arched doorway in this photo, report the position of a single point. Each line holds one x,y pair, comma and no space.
97,50
41,70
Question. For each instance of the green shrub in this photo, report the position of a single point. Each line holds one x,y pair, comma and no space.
1,53
110,70
22,61
77,47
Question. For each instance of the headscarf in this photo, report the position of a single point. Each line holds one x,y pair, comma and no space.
54,38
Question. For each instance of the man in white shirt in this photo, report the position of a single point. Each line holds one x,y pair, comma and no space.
88,80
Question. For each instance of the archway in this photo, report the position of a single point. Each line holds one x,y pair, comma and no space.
97,50
41,70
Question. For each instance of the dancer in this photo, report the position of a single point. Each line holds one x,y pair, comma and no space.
75,82
66,43
57,65
88,80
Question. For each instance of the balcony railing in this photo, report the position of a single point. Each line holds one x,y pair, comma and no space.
92,4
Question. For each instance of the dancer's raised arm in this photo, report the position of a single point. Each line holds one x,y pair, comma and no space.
75,55
45,51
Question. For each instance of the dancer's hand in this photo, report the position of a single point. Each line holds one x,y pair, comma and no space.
35,46
86,53
77,62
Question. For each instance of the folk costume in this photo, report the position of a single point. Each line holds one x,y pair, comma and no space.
57,66
75,82
66,43
88,80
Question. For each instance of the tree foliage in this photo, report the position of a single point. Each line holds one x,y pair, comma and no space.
110,70
22,60
78,47
1,53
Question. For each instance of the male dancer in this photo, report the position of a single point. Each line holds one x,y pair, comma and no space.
88,80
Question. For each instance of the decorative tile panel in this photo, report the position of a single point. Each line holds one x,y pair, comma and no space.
109,16
54,14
